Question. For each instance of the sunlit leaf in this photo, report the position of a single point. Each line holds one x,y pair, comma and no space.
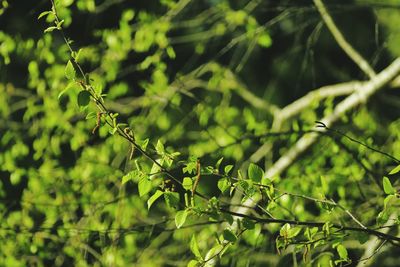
153,198
223,184
70,72
387,186
180,218
187,183
342,251
144,186
395,170
194,247
44,13
255,173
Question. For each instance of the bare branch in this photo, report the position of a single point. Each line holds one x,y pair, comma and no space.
302,103
347,48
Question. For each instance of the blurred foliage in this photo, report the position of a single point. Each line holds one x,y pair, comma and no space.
201,78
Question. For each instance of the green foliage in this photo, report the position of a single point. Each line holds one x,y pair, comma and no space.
106,109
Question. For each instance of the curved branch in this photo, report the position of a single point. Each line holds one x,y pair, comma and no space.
347,48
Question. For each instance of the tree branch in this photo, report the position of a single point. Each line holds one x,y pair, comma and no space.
347,48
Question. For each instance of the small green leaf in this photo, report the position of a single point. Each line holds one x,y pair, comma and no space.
195,248
59,24
180,218
387,186
382,217
389,201
144,186
228,168
153,198
62,93
126,178
248,224
219,163
171,52
50,29
44,13
293,232
70,72
342,251
228,218
361,237
187,183
229,235
264,40
255,173
223,184
193,263
284,230
144,144
213,252
113,131
83,98
395,170
91,115
160,147
171,199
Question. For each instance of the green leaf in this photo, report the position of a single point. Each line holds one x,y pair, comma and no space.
248,224
342,251
223,184
195,248
144,144
91,115
171,52
144,186
193,263
50,29
59,24
187,183
284,230
171,199
180,218
228,218
361,237
83,98
382,217
293,232
395,170
264,40
213,252
44,13
219,163
160,147
126,178
70,72
387,186
71,88
228,168
153,198
389,201
229,235
255,173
